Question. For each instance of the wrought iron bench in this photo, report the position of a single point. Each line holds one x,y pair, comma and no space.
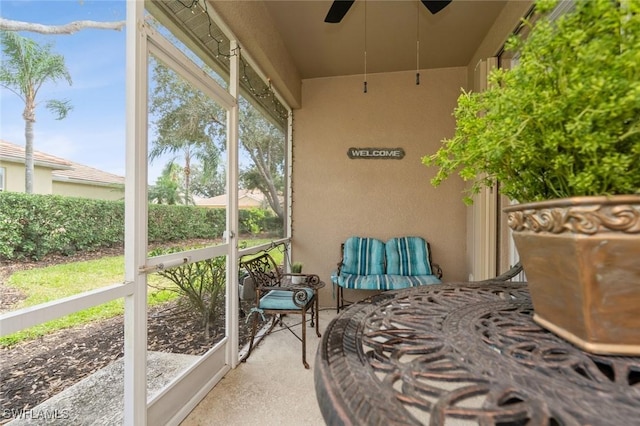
276,295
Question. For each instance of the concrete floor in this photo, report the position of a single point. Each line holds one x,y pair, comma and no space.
271,388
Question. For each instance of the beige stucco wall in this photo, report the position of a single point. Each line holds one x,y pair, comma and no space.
336,197
14,178
41,180
97,192
43,184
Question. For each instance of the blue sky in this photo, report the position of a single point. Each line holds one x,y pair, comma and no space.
94,131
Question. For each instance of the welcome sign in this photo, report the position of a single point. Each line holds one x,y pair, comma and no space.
376,153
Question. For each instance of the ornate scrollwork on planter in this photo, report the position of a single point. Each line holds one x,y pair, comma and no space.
579,218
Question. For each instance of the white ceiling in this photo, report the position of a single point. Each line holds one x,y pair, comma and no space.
319,49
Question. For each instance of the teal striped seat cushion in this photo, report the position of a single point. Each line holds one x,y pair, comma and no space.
397,282
281,299
382,282
362,282
407,256
363,256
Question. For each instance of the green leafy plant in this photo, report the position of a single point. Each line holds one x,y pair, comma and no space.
565,121
296,267
201,284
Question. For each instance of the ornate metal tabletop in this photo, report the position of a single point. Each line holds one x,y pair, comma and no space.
467,353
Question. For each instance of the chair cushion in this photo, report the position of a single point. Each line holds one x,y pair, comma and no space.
363,256
397,282
282,299
362,282
407,256
382,282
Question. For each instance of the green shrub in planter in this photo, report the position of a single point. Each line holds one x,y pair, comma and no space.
565,121
560,132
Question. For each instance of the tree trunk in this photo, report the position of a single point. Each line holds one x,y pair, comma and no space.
70,28
272,192
187,178
274,200
28,156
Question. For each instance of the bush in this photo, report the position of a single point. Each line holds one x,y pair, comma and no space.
257,221
175,223
202,285
33,226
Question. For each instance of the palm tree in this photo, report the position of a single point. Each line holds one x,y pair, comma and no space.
167,189
25,68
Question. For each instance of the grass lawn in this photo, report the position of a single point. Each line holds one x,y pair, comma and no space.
42,285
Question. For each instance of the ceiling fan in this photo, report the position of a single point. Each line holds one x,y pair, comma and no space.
339,8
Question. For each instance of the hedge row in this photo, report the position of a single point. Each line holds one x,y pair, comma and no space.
33,226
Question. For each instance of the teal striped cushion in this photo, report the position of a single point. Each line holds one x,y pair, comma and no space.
382,282
407,256
281,299
363,282
396,282
363,256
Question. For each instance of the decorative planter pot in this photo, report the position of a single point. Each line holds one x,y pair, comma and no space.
299,279
581,256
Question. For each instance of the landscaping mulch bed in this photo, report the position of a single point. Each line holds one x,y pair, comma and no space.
32,372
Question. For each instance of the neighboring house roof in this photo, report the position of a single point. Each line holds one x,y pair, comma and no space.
15,154
63,170
80,173
246,198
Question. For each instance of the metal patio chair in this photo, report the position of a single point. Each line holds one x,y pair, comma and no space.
276,295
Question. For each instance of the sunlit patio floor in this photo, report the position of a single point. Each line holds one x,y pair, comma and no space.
271,388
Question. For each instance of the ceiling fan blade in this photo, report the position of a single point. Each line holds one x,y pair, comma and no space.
338,9
435,6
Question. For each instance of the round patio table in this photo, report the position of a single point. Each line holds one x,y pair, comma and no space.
465,353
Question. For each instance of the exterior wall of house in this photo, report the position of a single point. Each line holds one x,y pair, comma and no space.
42,181
336,197
14,178
43,184
96,192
